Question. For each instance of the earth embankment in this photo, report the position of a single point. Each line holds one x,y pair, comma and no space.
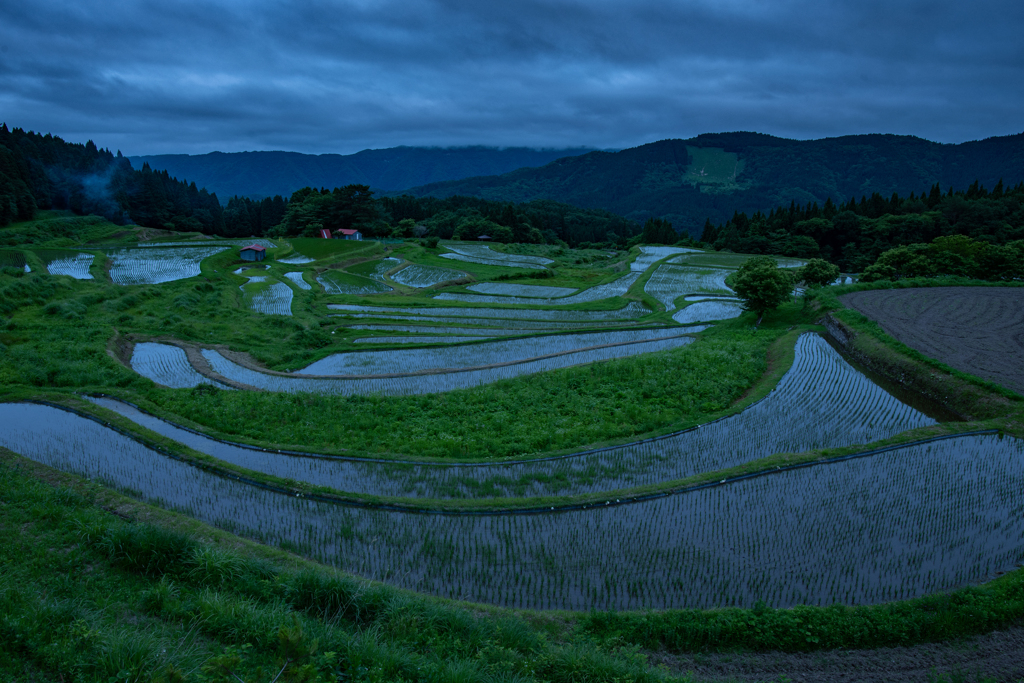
977,330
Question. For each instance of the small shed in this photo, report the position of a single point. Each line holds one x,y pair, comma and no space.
253,252
351,234
325,233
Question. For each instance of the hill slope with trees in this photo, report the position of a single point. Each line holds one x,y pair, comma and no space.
713,176
265,174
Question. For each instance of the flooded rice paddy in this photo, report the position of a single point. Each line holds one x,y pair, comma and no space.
822,402
153,265
704,311
509,289
630,311
475,355
898,524
668,283
483,254
297,279
429,383
74,264
167,365
419,276
616,287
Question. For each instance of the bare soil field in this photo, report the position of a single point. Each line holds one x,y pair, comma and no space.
977,330
996,656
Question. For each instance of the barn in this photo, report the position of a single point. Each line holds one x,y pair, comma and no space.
350,234
253,252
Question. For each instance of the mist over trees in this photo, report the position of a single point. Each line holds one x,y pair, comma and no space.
45,172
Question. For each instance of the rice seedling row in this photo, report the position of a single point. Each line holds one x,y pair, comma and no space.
437,339
651,255
74,264
425,329
508,289
167,365
668,283
822,402
298,280
155,265
485,322
427,384
631,310
690,299
730,261
483,254
477,355
616,287
419,276
914,520
337,282
272,299
703,311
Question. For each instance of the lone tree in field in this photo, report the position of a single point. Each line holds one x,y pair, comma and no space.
819,273
762,285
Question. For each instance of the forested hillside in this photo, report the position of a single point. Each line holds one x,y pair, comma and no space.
265,174
854,234
715,175
45,172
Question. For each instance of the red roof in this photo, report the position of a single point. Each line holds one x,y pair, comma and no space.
347,232
254,247
325,233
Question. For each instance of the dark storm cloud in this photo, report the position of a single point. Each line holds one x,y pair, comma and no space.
150,77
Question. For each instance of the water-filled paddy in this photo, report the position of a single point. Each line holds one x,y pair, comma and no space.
616,287
899,524
153,265
429,383
704,311
510,289
475,355
483,254
822,402
419,276
167,365
632,310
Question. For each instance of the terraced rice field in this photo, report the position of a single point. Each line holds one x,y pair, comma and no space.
533,291
298,280
270,299
427,329
428,383
473,356
630,311
419,276
155,265
167,365
616,287
375,270
815,535
436,339
337,282
483,254
236,243
822,402
668,283
74,264
704,311
718,259
651,255
977,330
296,260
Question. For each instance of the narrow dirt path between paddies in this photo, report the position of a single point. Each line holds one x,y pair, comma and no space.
977,330
997,656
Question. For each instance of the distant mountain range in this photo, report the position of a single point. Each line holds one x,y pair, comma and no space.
265,174
713,175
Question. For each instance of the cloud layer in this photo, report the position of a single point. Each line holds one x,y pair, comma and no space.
152,77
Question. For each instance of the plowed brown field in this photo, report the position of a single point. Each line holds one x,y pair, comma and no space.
977,330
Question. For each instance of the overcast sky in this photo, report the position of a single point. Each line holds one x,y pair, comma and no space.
174,76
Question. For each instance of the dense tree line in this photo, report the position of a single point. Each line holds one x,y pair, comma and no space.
956,255
45,172
854,234
354,206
